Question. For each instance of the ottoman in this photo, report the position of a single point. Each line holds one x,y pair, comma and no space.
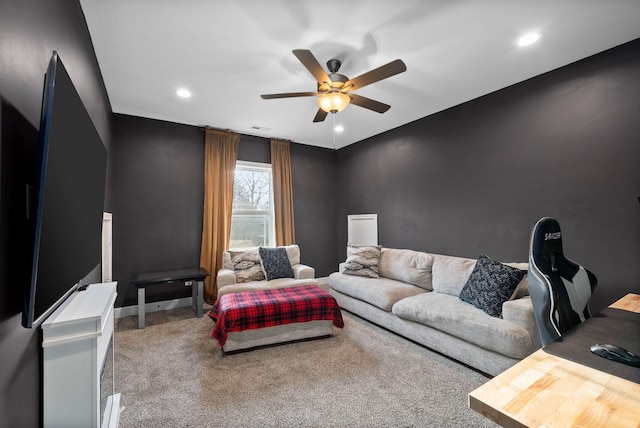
249,319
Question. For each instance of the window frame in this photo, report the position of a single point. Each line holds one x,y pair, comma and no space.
261,167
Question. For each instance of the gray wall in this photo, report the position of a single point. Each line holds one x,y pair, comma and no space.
157,189
475,178
314,204
158,200
29,32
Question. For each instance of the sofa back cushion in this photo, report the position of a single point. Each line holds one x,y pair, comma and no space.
523,287
411,267
451,273
293,252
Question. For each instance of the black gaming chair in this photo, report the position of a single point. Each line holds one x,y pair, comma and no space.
560,289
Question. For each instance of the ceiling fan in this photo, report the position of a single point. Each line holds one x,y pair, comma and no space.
334,90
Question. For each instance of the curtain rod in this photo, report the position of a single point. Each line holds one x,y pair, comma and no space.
205,127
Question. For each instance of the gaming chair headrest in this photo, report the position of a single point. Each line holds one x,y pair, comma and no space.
546,247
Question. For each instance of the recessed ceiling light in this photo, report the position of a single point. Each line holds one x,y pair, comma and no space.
338,128
529,39
183,93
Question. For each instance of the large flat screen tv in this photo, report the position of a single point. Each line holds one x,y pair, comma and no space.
70,189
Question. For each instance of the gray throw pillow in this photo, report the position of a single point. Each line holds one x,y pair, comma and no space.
490,284
362,260
246,265
275,263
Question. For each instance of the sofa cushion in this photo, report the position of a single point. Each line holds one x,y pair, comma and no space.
453,316
450,273
412,267
275,263
362,260
380,292
246,265
523,288
490,284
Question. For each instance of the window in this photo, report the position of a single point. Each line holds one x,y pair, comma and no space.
252,219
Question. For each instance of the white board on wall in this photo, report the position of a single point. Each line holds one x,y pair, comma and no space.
362,229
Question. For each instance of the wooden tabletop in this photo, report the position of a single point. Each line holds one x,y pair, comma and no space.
544,390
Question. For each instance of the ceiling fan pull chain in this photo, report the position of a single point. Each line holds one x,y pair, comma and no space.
334,131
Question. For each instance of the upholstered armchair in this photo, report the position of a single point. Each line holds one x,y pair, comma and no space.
276,267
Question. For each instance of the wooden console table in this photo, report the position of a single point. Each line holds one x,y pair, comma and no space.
547,390
195,275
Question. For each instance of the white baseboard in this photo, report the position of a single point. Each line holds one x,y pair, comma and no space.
128,311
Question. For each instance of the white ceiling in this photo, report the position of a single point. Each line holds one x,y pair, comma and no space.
228,52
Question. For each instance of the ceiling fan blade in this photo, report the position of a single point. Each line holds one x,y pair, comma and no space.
320,115
311,63
288,95
375,75
368,103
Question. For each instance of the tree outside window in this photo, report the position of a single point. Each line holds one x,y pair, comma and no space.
252,220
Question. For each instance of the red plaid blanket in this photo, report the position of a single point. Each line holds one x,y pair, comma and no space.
266,308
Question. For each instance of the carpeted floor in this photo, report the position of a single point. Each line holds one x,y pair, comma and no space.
173,374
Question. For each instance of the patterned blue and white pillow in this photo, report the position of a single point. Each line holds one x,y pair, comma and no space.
275,263
490,284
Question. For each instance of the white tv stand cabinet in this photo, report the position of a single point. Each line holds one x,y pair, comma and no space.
77,342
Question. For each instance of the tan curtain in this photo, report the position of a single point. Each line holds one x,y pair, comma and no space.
282,192
221,152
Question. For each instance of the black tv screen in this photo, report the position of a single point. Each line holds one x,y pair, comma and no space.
70,188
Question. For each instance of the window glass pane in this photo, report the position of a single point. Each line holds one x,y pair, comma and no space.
252,219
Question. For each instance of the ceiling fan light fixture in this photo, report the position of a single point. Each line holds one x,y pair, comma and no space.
333,102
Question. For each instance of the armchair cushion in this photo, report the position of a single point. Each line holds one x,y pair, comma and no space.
293,252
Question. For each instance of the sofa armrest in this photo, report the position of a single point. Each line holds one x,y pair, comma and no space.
225,277
301,271
520,312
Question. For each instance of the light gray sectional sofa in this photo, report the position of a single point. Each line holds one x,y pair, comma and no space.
417,296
